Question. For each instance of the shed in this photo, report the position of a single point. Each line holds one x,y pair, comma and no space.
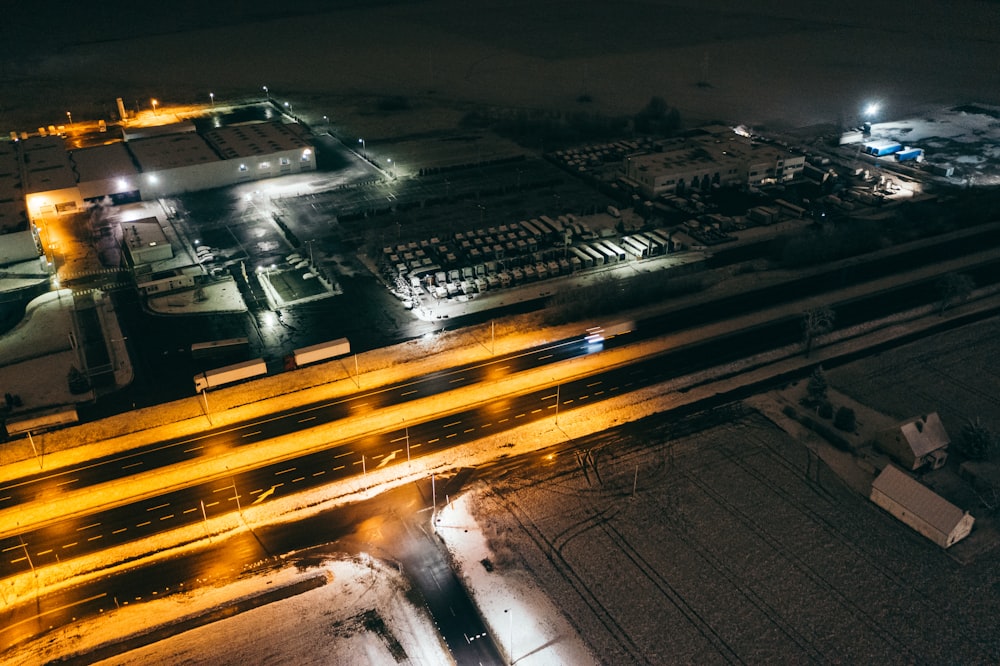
920,507
916,442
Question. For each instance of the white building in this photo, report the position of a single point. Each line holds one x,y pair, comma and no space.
715,156
916,442
920,507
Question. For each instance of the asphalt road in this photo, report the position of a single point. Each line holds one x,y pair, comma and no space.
84,534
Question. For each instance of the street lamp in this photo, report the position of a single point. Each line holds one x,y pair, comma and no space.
211,96
326,119
155,102
266,93
364,150
70,117
391,172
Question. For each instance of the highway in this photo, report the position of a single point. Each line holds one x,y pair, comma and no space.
213,442
63,539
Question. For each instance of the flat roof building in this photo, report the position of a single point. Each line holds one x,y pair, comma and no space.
714,156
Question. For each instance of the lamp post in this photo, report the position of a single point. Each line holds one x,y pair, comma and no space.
510,634
70,117
392,173
364,150
155,102
267,94
326,119
211,96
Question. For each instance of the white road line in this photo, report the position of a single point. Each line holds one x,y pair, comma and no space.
285,471
135,464
87,527
148,522
535,411
448,425
124,529
159,506
251,434
408,393
308,418
66,483
197,448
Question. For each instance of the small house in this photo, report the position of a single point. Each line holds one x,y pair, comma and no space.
917,442
920,507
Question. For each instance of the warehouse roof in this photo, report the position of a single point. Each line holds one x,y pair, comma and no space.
171,151
253,139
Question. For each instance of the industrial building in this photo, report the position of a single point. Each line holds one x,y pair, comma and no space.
714,156
920,507
40,177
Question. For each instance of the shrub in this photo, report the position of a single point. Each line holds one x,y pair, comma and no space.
825,410
845,419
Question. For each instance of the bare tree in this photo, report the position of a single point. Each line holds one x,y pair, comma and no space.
816,322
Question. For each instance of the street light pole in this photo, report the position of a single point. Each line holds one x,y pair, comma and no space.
211,96
510,635
267,93
364,149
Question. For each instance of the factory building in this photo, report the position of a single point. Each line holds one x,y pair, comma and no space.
714,156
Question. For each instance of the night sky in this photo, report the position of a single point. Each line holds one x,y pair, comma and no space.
795,63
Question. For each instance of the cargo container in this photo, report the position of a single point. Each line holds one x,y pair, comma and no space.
910,155
229,374
321,352
882,148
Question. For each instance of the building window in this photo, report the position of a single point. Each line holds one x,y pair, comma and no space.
284,161
264,165
243,167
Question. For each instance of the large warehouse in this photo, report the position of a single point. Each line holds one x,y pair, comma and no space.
172,160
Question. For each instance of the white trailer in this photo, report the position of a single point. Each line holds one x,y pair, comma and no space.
634,246
619,252
321,352
586,261
229,374
41,421
598,257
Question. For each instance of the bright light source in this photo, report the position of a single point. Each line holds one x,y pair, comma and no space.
871,109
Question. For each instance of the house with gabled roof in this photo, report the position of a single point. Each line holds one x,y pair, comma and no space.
916,442
920,507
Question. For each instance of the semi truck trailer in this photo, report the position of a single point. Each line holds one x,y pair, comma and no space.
229,374
321,352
